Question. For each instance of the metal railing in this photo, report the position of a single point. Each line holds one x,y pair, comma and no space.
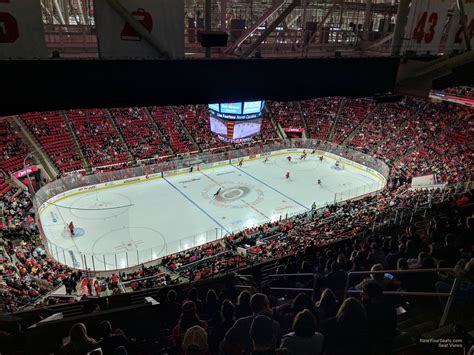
301,289
313,290
449,295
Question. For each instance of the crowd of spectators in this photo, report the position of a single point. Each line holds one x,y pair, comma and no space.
13,149
352,114
436,151
466,91
99,141
51,131
196,120
287,114
139,134
170,123
27,272
438,134
285,322
385,119
320,115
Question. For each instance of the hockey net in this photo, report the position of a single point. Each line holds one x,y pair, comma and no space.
339,165
66,233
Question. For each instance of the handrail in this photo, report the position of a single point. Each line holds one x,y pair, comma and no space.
450,295
415,271
408,293
143,278
292,275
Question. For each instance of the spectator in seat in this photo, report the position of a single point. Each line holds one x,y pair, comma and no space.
188,319
237,338
79,342
336,279
408,280
385,283
357,265
426,282
172,309
465,293
195,341
381,318
376,256
227,320
272,299
463,200
347,333
193,296
286,313
211,306
263,337
449,252
243,305
111,341
327,305
304,340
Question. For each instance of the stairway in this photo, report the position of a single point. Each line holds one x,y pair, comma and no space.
34,147
306,130
390,136
334,124
185,130
119,132
275,125
153,123
357,129
72,132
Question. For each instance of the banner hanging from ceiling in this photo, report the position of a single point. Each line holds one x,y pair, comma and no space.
456,41
425,25
21,30
162,19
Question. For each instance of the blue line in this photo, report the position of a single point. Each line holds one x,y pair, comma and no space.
195,204
270,187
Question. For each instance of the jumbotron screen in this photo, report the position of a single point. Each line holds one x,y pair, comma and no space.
236,121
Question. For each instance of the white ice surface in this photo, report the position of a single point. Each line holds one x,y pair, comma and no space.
127,225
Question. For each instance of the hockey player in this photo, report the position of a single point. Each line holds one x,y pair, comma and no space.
288,158
241,162
266,159
287,175
319,182
321,158
71,228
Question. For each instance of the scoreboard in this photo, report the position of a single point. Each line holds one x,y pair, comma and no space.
236,121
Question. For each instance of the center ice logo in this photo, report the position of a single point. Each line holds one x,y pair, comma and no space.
233,195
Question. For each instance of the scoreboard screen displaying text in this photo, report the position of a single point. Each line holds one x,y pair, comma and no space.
236,121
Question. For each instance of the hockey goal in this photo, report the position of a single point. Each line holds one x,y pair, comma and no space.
339,165
66,233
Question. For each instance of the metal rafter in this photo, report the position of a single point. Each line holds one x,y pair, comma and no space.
232,47
318,28
270,29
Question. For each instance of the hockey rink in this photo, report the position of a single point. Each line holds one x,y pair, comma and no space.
126,225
